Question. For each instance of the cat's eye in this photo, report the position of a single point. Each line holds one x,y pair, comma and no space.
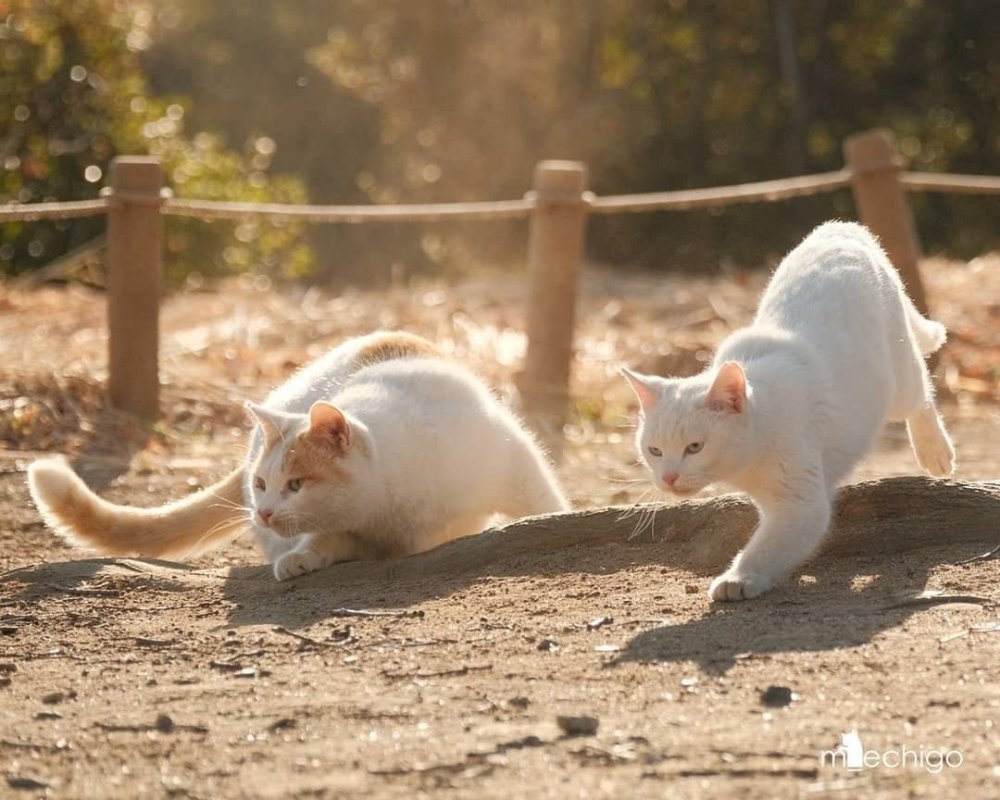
294,484
656,452
694,447
259,485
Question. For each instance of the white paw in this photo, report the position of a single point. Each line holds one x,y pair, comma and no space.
298,562
734,585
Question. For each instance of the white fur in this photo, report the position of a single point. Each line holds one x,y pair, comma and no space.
836,349
396,457
432,456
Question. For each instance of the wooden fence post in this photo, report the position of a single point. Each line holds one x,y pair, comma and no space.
555,247
135,245
881,203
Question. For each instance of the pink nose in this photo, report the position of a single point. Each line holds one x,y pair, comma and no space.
265,515
670,478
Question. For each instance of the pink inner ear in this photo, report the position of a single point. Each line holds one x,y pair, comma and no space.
643,387
328,424
729,389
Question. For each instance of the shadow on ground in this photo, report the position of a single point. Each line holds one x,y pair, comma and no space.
888,536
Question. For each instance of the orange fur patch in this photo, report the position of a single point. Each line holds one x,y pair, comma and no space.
390,346
311,461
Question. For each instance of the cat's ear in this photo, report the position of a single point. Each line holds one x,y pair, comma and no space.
329,426
729,389
274,423
643,386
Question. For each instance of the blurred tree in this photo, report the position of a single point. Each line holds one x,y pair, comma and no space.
72,96
244,64
458,99
657,95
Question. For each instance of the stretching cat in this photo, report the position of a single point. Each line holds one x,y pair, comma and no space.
380,448
791,403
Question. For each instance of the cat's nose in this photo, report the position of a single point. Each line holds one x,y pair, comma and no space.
670,478
265,515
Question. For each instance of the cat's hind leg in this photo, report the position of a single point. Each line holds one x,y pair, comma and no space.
790,530
531,488
930,441
914,400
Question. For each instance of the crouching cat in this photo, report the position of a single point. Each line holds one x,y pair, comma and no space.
380,448
791,403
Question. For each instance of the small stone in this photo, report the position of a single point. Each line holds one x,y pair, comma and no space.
690,588
582,725
25,783
519,702
778,696
251,672
548,645
599,622
8,630
48,715
5,681
164,724
53,697
8,666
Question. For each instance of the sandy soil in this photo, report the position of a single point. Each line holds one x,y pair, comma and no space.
123,679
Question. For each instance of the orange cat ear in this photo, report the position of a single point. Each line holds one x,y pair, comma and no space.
328,425
729,389
643,387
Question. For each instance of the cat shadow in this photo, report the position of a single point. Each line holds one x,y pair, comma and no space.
95,577
837,603
846,605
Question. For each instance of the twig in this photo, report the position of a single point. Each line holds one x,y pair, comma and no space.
363,612
163,723
994,553
939,599
85,591
309,640
446,673
984,627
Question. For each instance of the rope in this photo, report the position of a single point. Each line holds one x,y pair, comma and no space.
959,184
723,195
210,209
31,212
764,191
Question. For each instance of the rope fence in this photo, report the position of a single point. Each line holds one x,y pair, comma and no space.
679,200
438,212
557,207
32,212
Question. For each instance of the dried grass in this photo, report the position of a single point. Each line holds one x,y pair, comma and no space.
235,343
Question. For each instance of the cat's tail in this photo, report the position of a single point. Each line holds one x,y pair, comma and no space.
930,335
182,528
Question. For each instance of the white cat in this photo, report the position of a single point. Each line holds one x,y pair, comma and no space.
381,448
791,403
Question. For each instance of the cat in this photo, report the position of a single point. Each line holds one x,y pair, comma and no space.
791,403
381,448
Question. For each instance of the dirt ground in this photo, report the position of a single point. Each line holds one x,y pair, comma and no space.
124,678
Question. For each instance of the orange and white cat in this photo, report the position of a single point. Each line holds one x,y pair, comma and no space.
381,448
791,403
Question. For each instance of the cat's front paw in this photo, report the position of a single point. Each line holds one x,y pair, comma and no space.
298,562
734,585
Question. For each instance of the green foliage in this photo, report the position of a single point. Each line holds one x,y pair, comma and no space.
440,100
660,95
72,96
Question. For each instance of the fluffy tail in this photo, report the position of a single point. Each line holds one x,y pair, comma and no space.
183,528
930,335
